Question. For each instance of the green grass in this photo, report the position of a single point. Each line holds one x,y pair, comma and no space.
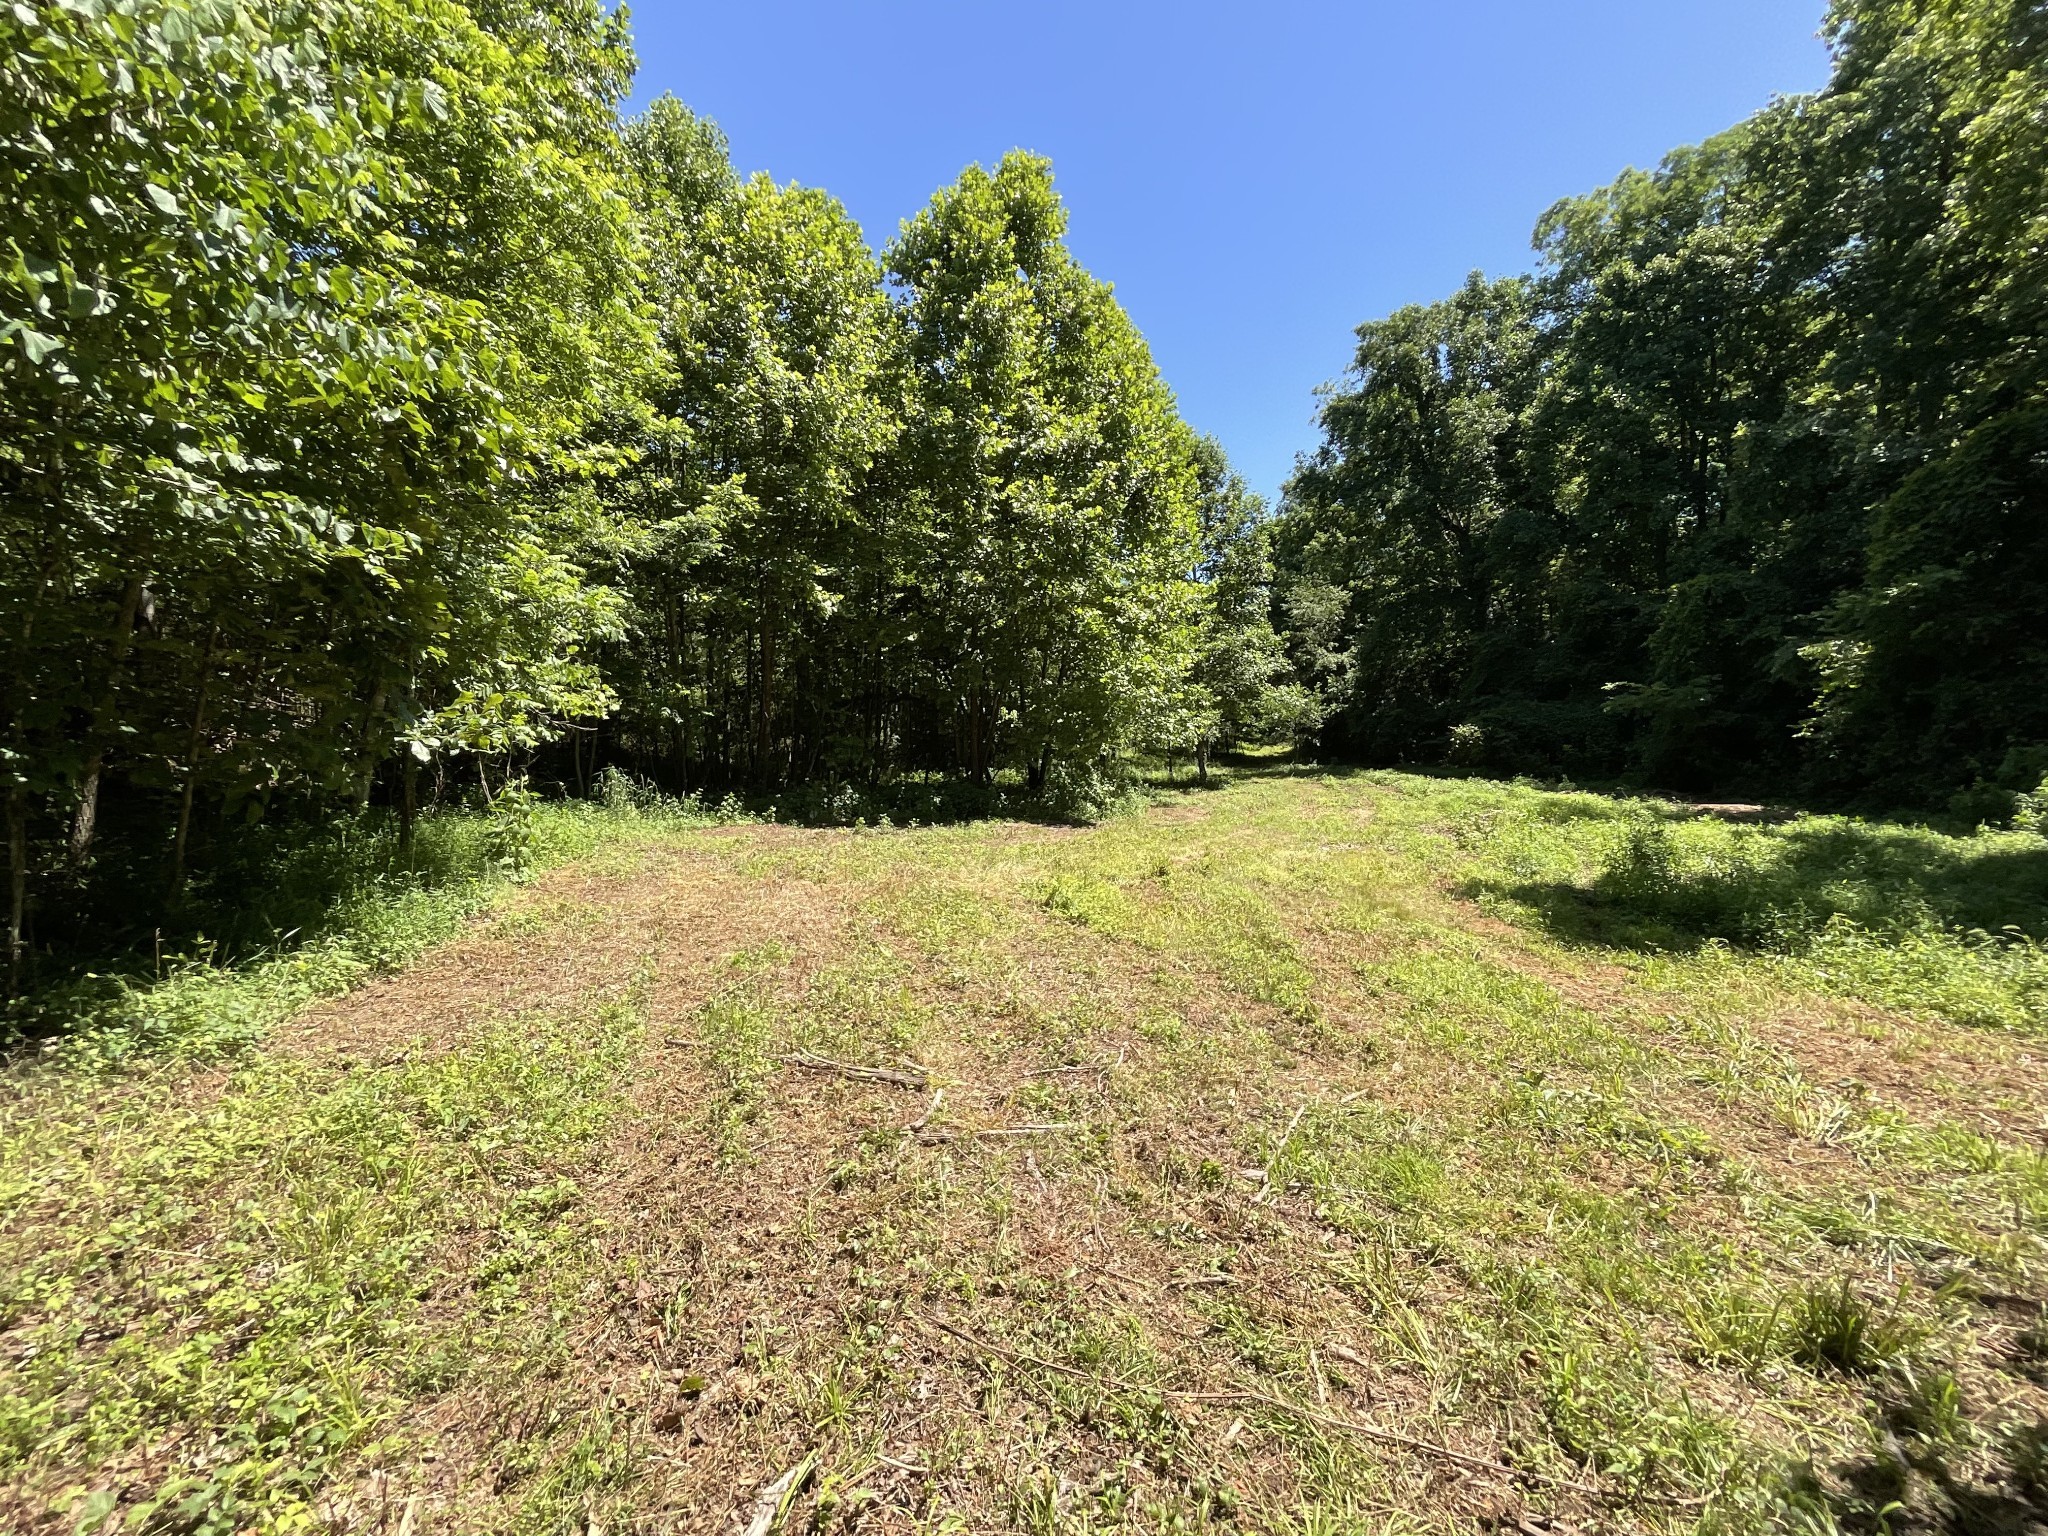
226,1293
332,915
1692,1162
1904,917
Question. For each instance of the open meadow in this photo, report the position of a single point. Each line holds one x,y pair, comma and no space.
1317,1152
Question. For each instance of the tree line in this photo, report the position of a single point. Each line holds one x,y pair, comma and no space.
379,408
382,411
1744,489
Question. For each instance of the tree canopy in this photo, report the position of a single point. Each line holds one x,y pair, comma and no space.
1740,491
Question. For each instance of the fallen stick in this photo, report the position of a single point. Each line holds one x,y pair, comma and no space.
918,1079
939,1135
1030,1130
1287,1135
773,1498
1326,1420
1086,1066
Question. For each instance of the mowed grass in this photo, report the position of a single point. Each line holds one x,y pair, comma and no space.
1319,1152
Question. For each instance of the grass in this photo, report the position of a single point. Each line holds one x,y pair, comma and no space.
1322,1152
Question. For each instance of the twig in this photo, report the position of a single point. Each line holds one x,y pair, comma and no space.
918,1079
1045,1129
930,1109
1287,1135
1086,1066
1325,1420
1117,1274
1209,1279
938,1135
774,1497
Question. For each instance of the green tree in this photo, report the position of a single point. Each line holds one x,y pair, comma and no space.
271,406
1934,683
1241,687
1652,516
1051,516
746,525
1402,506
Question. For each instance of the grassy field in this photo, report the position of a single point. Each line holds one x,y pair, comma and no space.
1317,1153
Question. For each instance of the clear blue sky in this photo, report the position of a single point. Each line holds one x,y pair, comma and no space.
1255,179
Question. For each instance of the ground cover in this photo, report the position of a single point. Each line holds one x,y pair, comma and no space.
1319,1152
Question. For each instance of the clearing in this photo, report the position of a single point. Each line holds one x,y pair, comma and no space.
1320,1152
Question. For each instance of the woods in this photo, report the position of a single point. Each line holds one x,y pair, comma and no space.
1743,490
381,409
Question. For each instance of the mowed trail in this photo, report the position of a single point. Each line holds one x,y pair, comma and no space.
804,1268
1219,1168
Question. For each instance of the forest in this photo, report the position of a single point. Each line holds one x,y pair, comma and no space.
382,410
388,420
1744,489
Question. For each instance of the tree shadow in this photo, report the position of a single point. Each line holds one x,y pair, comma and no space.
1663,889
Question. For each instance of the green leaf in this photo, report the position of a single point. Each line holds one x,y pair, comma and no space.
38,346
88,301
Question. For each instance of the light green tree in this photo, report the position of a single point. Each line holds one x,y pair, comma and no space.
1050,530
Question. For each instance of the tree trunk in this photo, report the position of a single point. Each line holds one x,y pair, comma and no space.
408,804
1202,760
192,768
85,819
17,882
369,774
764,726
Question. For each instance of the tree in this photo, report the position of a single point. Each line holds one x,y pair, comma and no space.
1933,682
749,526
295,299
1640,520
1238,684
1051,530
1402,504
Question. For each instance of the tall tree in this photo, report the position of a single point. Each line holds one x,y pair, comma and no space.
1759,388
294,300
1053,516
747,527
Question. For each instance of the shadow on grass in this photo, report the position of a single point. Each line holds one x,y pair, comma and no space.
318,900
1677,880
1676,876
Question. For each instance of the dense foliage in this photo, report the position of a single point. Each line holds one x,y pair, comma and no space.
1745,489
377,409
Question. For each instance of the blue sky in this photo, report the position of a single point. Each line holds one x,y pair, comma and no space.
1256,180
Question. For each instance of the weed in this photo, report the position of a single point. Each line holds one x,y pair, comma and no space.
268,1254
1831,1327
2026,1452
